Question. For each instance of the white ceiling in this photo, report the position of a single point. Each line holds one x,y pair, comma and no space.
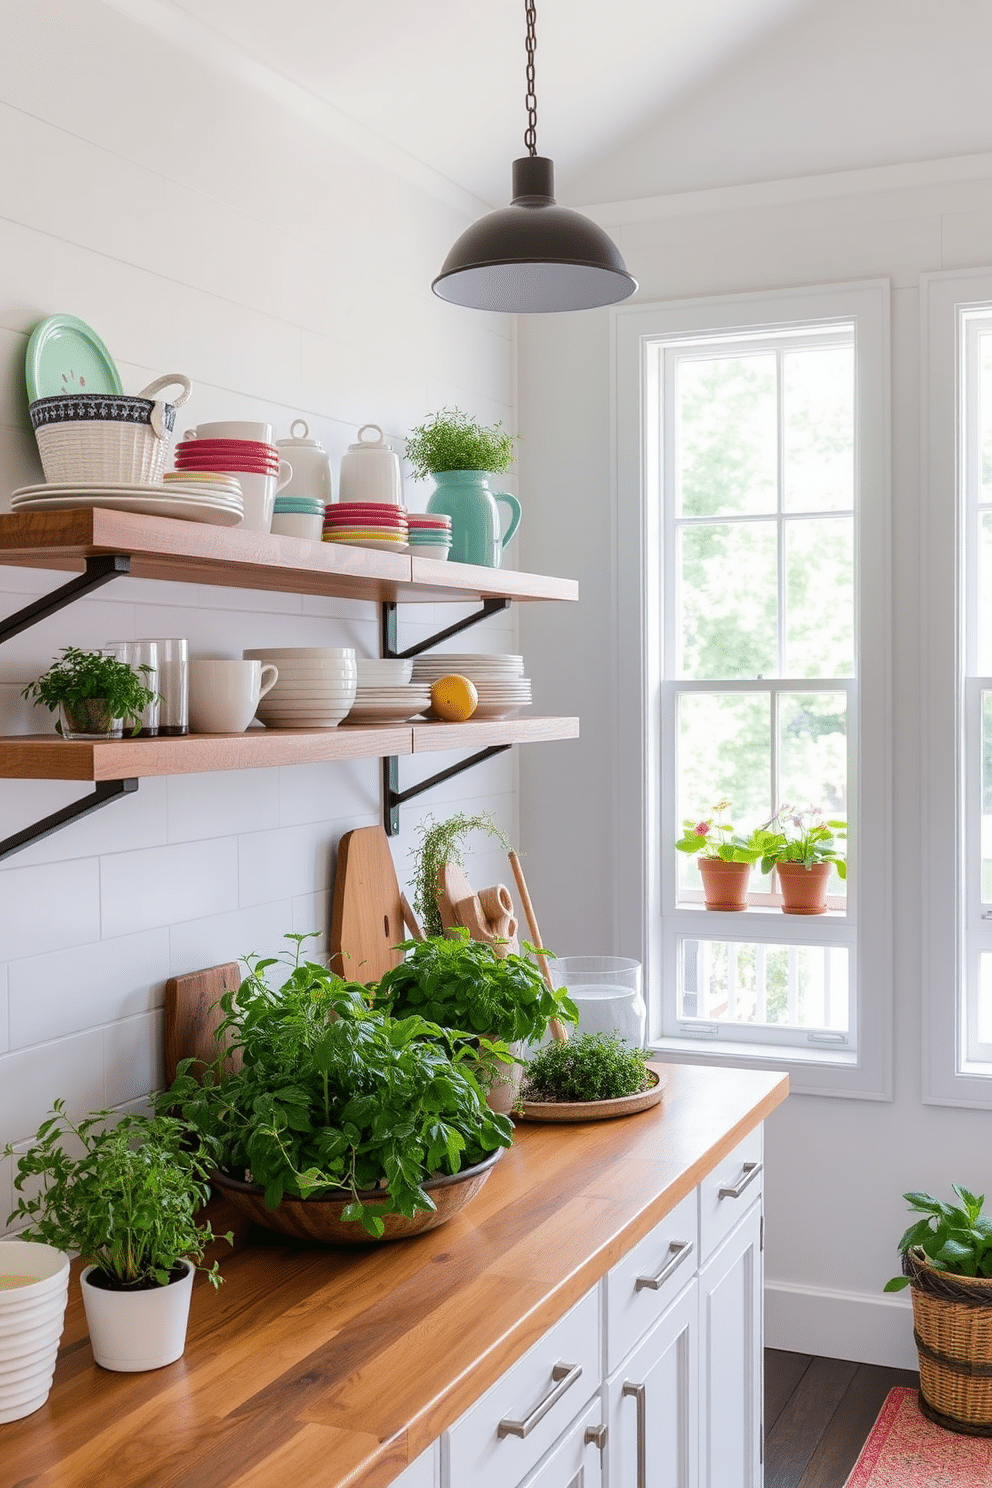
444,79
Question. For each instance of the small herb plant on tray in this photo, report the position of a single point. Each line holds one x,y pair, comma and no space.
127,1203
337,1096
592,1067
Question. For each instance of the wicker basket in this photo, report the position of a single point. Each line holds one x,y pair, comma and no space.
952,1325
106,437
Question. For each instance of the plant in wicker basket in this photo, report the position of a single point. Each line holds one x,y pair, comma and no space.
947,1261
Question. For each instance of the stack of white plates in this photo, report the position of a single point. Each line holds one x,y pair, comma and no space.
315,689
385,693
499,680
190,500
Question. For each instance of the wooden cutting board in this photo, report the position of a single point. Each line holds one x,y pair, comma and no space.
192,1015
367,913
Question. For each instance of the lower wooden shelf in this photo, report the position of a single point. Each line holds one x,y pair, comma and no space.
46,757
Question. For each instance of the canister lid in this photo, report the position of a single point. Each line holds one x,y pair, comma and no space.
300,441
371,444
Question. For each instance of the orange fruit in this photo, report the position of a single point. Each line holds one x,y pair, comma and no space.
454,698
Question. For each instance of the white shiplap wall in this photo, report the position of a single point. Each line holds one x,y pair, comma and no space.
208,226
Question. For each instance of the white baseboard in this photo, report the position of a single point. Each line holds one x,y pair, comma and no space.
840,1325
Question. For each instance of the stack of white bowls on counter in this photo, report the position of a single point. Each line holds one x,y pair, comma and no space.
499,680
316,685
385,692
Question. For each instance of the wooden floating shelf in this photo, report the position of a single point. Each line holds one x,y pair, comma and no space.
195,553
46,757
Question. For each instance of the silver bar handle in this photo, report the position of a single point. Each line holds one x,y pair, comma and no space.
564,1376
678,1251
751,1171
640,1394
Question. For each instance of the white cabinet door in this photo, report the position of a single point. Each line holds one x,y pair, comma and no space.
577,1460
730,1360
424,1472
652,1403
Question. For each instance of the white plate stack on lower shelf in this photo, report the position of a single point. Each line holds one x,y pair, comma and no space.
385,693
315,687
499,680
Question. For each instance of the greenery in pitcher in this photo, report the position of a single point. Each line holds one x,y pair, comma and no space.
711,838
127,1203
953,1238
461,983
79,677
592,1067
451,440
803,836
440,843
335,1095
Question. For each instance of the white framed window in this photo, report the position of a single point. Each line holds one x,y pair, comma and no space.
956,686
752,448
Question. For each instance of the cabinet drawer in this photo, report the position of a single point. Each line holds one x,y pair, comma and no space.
423,1472
577,1460
641,1286
727,1193
506,1433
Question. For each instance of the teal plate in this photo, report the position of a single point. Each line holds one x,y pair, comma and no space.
65,355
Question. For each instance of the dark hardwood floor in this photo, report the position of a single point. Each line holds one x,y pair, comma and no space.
818,1413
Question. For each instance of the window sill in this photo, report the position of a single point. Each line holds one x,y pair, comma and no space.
820,1070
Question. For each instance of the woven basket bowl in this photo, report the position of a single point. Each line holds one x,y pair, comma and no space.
952,1319
111,437
319,1219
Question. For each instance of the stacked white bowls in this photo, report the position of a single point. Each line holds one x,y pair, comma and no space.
31,1316
316,685
385,693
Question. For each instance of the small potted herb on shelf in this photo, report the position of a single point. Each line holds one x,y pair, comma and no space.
947,1261
127,1203
462,455
95,694
724,858
804,849
462,984
451,440
343,1123
592,1067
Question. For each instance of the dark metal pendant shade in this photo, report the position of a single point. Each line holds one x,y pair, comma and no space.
533,255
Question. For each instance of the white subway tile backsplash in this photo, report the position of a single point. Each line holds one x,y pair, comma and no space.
336,789
132,1052
68,991
220,805
136,820
312,912
4,1014
285,862
48,907
31,1079
227,937
160,885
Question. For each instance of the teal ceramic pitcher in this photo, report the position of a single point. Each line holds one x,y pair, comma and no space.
464,495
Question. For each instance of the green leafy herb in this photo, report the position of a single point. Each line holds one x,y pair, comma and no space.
804,837
954,1239
335,1095
451,440
594,1066
80,675
127,1203
461,983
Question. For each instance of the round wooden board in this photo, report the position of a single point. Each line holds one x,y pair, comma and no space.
625,1105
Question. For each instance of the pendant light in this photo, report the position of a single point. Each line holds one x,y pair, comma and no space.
534,255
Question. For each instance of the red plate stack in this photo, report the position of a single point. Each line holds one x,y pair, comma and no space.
367,524
234,456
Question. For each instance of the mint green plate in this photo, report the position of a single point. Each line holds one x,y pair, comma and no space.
65,355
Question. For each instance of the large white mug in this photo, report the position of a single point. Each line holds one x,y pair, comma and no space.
223,695
259,493
232,429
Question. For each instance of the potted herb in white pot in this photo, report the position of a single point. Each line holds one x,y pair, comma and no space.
94,693
126,1203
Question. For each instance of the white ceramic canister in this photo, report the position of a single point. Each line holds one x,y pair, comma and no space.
370,470
311,465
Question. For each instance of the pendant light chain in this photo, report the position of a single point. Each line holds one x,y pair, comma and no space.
530,101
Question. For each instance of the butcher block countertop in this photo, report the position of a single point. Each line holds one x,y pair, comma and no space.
337,1367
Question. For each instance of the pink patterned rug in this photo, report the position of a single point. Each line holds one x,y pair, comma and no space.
905,1450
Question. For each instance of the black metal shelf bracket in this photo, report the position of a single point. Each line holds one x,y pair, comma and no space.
100,569
389,631
106,791
394,798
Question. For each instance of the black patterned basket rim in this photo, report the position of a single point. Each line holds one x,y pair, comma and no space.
97,408
970,1291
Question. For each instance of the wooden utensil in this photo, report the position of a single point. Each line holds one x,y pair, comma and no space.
192,1016
459,904
558,1029
367,922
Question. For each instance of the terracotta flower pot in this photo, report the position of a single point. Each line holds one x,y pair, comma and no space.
724,884
804,890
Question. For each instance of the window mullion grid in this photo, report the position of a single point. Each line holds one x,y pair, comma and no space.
780,508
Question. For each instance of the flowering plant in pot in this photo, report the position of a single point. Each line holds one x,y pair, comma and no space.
724,858
94,693
804,851
127,1203
947,1261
